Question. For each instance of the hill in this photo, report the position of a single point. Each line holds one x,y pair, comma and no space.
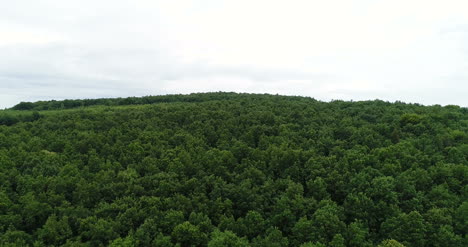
227,169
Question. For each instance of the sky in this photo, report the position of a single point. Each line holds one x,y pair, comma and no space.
414,51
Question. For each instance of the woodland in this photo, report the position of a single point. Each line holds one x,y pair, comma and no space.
229,169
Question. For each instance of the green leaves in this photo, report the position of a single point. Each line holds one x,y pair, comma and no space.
410,229
227,239
55,231
189,235
226,169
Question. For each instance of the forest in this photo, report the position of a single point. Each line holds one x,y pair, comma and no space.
229,169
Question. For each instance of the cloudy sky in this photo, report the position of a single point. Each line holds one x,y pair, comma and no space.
408,50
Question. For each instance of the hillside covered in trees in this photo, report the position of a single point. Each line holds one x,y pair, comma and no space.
226,169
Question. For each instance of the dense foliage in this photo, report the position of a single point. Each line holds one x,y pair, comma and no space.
68,104
223,169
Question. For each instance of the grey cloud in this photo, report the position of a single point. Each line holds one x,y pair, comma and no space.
127,48
62,70
249,72
456,28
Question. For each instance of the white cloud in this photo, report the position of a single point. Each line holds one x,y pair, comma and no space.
394,50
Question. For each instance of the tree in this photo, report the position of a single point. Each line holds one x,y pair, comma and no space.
226,238
274,238
34,212
310,244
24,106
318,189
390,243
55,231
254,223
302,231
409,228
326,221
461,218
98,231
338,241
14,237
357,235
188,235
128,241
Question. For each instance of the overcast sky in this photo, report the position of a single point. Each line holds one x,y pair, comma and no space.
408,50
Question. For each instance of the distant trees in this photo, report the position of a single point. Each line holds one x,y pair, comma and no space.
24,106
